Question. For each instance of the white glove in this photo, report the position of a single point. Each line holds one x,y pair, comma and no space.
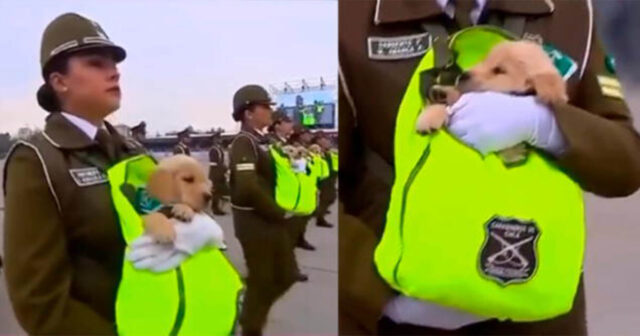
147,254
300,166
202,231
492,121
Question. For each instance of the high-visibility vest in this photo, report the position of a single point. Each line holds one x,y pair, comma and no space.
334,160
295,191
320,166
308,117
200,297
467,232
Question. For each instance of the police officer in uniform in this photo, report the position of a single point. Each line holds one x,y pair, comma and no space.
63,245
184,139
217,175
139,132
301,137
327,187
281,128
591,138
260,223
279,134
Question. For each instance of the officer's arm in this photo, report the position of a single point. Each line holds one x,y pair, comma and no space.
243,161
364,192
603,149
38,269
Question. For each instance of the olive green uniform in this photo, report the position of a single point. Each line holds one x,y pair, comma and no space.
260,227
62,240
328,192
217,175
181,148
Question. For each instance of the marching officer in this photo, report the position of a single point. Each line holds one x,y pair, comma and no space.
301,137
281,128
217,174
260,223
327,186
59,214
591,137
184,139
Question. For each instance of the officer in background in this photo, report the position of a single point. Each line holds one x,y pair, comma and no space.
327,187
184,139
139,131
281,129
301,137
595,142
218,174
63,246
260,223
279,133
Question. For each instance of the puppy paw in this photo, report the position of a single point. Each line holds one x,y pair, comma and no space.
159,227
514,155
432,118
550,88
183,212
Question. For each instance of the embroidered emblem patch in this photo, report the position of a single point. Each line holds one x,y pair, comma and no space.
85,177
509,253
398,47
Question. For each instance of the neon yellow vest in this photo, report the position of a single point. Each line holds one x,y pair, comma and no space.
308,117
320,166
465,231
200,297
334,160
295,191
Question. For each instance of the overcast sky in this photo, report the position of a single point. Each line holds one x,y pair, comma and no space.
185,58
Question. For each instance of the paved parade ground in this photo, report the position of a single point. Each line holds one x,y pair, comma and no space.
611,276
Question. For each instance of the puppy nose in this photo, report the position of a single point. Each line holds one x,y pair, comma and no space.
464,77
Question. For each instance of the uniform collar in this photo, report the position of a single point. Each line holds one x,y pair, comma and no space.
62,133
390,11
88,128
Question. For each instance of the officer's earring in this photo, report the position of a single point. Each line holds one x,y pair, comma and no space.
64,89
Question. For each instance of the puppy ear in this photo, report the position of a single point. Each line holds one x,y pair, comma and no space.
162,185
549,87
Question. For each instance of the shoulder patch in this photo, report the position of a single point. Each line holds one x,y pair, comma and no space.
610,86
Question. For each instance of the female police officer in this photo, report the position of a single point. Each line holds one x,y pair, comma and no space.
258,220
63,246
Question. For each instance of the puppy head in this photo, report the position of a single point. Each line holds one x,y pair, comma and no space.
290,151
180,179
315,148
516,67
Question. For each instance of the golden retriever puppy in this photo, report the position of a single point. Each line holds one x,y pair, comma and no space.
519,67
181,183
315,149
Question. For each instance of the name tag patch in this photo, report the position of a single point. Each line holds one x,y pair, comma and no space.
85,177
398,47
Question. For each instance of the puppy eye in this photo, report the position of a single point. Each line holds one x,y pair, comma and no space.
188,179
498,71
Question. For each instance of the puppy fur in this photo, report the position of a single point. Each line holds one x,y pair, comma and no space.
179,181
511,67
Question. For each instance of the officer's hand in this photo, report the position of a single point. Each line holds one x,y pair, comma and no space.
200,232
491,121
147,254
